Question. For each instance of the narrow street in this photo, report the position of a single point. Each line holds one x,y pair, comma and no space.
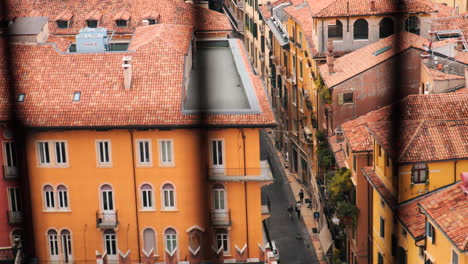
290,235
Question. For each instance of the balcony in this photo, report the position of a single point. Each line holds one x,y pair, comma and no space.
220,218
105,220
237,24
15,217
9,172
261,173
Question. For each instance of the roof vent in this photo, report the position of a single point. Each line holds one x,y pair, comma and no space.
464,179
92,40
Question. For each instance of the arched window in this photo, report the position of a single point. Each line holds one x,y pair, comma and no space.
335,32
53,242
62,197
419,173
65,236
110,242
386,27
222,240
17,237
147,196
219,197
361,29
168,196
412,25
49,198
170,236
149,240
107,198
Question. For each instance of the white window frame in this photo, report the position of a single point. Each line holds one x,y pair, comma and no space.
217,168
148,163
215,194
53,158
172,238
51,196
150,196
223,237
63,239
101,199
163,198
53,244
102,163
41,157
63,154
105,238
163,144
60,193
10,157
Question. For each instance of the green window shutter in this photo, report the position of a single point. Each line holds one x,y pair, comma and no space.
340,99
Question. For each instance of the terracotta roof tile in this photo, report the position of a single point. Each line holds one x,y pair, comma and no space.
363,59
154,100
337,149
448,207
377,183
123,15
412,219
94,15
440,75
66,15
301,13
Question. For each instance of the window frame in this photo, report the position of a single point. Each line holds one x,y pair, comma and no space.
163,197
359,36
161,144
41,157
62,24
382,227
150,197
52,154
218,166
10,156
102,199
416,173
53,242
63,152
110,236
66,238
49,198
148,163
154,236
67,198
88,21
173,238
16,205
215,193
100,163
121,23
223,238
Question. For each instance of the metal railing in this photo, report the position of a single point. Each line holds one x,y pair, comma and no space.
15,217
107,219
9,172
220,218
259,171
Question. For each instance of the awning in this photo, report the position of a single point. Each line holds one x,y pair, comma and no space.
325,238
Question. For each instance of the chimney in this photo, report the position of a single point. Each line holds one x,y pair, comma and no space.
330,58
372,5
127,66
459,45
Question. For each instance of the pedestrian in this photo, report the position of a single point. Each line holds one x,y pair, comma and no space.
290,210
301,195
298,209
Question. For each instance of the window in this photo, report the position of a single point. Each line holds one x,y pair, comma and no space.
380,258
222,240
14,200
92,23
419,173
144,154
402,256
21,97
361,29
386,27
53,242
171,240
146,197
294,94
219,197
66,245
104,152
10,154
335,32
345,98
107,198
454,257
354,163
62,24
151,21
300,69
387,160
121,23
149,240
168,196
76,96
382,227
44,155
166,152
412,25
110,242
217,153
49,198
62,197
430,232
60,152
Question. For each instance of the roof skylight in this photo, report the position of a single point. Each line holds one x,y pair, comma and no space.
21,97
76,96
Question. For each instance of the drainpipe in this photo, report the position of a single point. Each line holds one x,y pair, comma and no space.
135,194
245,195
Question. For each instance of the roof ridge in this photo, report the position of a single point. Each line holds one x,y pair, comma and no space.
418,130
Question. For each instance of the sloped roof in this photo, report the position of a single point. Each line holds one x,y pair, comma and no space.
155,99
339,8
412,219
171,12
448,207
364,58
380,186
437,75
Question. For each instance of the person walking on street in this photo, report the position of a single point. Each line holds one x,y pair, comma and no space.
301,196
298,209
290,211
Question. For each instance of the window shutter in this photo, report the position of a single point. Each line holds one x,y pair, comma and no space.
340,99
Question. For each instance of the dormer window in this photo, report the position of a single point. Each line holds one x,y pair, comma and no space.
121,23
62,24
151,21
92,23
21,97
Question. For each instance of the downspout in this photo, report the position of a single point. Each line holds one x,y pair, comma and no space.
245,194
135,194
455,171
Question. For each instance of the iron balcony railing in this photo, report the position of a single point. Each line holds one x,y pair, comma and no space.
220,218
9,172
258,171
15,217
107,219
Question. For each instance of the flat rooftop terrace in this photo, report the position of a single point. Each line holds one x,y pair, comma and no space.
219,82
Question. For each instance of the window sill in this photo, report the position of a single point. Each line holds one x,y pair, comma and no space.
338,41
104,166
170,210
169,165
52,166
57,211
147,210
360,40
144,165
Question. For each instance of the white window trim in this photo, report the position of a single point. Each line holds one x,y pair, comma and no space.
52,257
223,152
226,252
150,148
116,244
64,209
44,200
70,260
153,207
98,162
163,207
166,164
101,204
165,241
225,198
52,155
